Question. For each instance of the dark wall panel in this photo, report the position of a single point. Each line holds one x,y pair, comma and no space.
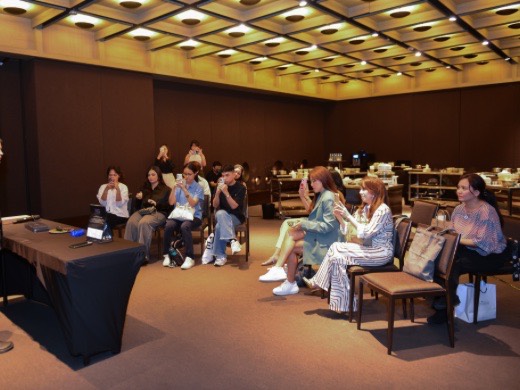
13,190
475,128
490,127
236,127
127,125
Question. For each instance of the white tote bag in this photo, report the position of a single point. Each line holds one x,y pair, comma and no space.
487,306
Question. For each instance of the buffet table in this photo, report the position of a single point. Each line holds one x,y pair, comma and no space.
89,287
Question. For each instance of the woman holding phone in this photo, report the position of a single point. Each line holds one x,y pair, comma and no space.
164,162
195,154
371,245
114,197
311,237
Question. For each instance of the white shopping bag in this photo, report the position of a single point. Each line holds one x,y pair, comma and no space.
487,307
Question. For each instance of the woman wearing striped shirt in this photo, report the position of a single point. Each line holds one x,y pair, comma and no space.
482,245
371,246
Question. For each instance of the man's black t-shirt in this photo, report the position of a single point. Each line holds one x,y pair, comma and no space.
238,193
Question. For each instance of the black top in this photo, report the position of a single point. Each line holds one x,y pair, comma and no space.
238,193
166,166
160,195
213,177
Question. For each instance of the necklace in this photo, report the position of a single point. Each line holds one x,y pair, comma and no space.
467,212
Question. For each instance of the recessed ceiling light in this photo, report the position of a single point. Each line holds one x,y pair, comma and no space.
399,74
485,43
226,53
458,48
507,58
15,7
452,18
380,50
249,2
418,54
482,62
190,17
305,73
259,60
325,77
238,31
190,44
130,4
141,34
430,70
84,21
415,63
441,39
399,14
399,58
469,56
357,41
448,66
375,34
363,62
316,70
514,26
296,15
302,3
274,42
422,28
506,11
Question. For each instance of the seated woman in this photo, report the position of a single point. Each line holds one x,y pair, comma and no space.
375,228
186,191
142,223
114,196
311,237
482,245
307,204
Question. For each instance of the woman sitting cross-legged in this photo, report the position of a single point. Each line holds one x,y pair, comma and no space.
152,211
187,192
372,246
286,224
310,237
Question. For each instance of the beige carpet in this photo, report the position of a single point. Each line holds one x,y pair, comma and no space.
219,328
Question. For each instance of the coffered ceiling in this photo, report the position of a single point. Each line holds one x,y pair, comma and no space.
317,48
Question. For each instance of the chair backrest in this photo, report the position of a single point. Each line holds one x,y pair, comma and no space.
445,259
204,206
423,212
245,209
511,228
403,227
352,196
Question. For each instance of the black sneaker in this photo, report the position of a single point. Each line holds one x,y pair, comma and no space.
440,317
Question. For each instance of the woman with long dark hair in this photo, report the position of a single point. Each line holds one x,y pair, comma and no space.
152,204
165,164
482,245
372,244
311,237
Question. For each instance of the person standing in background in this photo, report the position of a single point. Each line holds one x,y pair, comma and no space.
4,345
213,176
195,154
166,165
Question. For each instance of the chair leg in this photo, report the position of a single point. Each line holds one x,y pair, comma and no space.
405,313
360,305
451,321
476,298
412,310
390,332
352,285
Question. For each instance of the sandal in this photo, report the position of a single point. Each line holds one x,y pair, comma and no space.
270,261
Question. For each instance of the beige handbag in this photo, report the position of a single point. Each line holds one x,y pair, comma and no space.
420,259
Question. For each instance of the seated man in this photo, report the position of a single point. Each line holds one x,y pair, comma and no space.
229,203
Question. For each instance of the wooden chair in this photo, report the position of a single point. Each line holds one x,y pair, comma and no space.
242,230
423,212
403,226
511,230
400,285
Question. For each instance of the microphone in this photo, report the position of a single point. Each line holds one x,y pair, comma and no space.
27,219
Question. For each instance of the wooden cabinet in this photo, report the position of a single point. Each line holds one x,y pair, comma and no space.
434,185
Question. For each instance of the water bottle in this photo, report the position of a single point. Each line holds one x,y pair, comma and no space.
77,232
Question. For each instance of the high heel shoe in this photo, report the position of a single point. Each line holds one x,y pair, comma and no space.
270,261
310,283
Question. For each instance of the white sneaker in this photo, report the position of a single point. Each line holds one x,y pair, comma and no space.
275,274
207,256
286,288
188,263
166,261
235,247
220,262
209,242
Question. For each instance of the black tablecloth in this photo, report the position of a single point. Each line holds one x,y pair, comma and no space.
88,287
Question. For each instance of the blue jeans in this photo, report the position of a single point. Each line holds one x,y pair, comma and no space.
224,231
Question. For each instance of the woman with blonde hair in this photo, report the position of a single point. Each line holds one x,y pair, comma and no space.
371,245
311,237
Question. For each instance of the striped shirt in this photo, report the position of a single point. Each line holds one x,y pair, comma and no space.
482,226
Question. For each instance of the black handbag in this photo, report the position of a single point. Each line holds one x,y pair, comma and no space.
147,211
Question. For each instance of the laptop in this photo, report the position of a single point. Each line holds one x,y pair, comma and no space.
96,228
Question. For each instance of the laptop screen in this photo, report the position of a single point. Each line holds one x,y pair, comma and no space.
96,223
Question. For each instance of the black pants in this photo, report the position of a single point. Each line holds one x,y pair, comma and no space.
114,220
469,261
185,228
